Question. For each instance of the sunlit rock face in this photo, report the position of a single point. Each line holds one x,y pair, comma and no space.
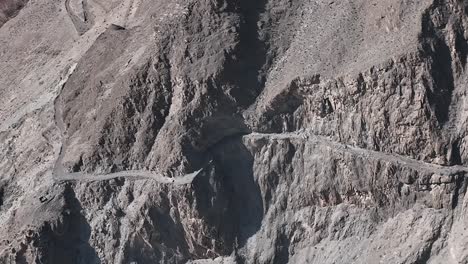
216,131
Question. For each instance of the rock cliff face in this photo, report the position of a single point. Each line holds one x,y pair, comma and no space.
316,131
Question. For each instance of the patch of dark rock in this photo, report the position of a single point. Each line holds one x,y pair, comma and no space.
326,107
116,27
455,157
460,188
246,69
77,166
461,46
228,197
2,196
282,250
67,240
438,52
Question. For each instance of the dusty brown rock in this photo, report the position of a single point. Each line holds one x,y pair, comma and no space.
9,9
316,131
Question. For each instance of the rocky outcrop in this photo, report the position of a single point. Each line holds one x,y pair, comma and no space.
329,132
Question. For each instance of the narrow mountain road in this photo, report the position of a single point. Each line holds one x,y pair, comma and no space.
133,174
61,175
369,154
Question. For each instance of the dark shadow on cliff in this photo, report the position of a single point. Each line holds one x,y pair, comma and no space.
439,54
228,197
245,68
67,241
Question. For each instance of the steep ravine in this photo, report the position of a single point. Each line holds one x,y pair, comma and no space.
219,131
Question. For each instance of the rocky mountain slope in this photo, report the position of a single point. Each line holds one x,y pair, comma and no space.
233,131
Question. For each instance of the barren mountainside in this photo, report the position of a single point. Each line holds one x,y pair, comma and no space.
233,131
